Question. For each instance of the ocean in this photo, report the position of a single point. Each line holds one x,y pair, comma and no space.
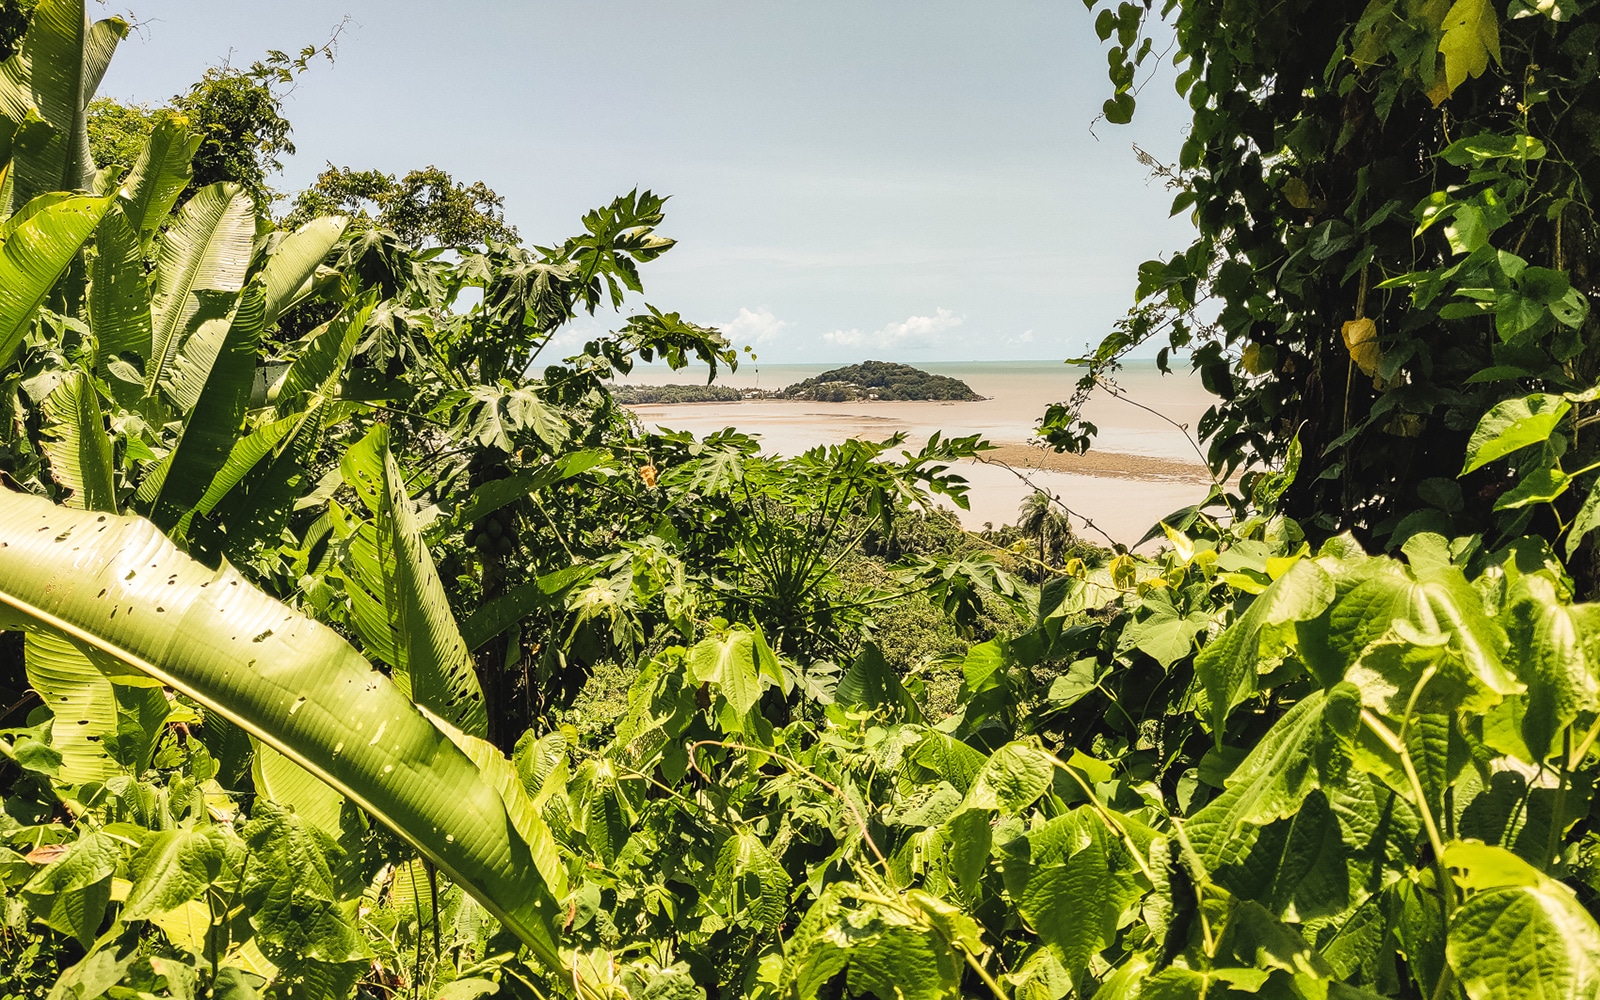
1142,467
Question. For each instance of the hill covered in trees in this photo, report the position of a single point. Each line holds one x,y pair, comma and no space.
879,380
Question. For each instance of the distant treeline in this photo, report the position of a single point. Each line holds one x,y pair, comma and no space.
883,380
634,395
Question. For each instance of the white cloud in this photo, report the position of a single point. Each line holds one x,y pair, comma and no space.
752,327
914,332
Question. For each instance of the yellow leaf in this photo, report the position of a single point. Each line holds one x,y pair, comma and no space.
1361,340
1240,581
248,957
1471,36
1180,543
1124,572
1258,359
1279,565
186,924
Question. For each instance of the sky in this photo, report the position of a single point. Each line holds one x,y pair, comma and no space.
907,180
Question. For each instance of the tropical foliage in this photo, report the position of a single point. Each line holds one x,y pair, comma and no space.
1396,234
311,562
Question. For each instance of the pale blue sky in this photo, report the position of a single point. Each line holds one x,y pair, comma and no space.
911,181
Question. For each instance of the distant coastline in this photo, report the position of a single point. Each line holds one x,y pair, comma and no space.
868,381
1141,468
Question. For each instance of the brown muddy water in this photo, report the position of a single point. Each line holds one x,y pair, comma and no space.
1141,468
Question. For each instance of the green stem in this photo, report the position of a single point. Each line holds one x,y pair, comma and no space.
1558,811
1441,875
1582,749
861,822
1104,815
882,898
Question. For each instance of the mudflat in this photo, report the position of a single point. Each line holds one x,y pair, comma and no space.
1144,464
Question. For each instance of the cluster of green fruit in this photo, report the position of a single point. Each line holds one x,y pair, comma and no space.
494,534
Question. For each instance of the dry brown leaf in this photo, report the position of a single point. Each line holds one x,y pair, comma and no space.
44,854
1361,340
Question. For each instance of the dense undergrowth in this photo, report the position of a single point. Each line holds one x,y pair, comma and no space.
369,651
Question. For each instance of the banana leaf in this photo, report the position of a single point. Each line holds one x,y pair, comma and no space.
211,382
401,608
117,586
37,251
119,295
205,256
75,441
52,76
163,169
323,361
288,271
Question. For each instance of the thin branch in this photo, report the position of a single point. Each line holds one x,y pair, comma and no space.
1087,522
1117,392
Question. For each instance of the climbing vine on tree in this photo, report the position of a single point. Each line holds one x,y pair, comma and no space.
1395,233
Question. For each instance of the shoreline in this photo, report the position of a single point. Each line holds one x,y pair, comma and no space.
1106,464
1100,464
776,397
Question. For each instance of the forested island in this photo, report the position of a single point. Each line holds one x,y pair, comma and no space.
881,380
